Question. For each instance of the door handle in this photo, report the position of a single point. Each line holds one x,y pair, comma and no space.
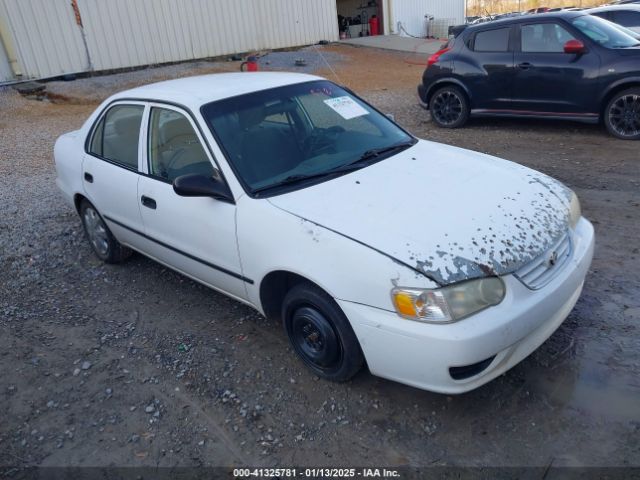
148,202
88,177
525,66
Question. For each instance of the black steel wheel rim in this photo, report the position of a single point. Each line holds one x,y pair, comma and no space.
624,115
447,107
314,338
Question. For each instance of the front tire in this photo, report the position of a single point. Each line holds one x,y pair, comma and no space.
321,334
622,115
102,241
449,107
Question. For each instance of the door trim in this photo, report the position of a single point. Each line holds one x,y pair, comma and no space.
176,250
578,117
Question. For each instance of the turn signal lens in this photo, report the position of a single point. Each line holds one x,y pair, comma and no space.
575,211
404,304
448,304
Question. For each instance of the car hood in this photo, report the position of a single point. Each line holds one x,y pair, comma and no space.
449,213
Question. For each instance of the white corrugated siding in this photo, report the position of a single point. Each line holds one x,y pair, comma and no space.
125,33
45,36
411,14
6,74
129,33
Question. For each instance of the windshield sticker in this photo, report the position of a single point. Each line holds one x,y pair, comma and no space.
346,107
321,91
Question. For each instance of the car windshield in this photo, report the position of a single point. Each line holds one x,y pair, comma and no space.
289,137
603,32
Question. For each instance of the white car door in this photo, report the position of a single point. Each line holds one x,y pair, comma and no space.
194,235
110,169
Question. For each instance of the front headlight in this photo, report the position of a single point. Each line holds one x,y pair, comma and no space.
448,304
575,212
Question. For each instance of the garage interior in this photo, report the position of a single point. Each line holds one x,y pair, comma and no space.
359,18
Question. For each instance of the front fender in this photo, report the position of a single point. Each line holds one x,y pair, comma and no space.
621,83
270,239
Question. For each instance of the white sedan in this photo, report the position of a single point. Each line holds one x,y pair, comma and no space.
438,267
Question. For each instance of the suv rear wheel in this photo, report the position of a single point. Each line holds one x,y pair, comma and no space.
622,115
449,107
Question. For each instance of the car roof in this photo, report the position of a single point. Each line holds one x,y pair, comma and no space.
611,8
565,14
196,91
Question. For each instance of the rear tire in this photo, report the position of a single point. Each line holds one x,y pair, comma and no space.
320,333
622,115
449,107
102,241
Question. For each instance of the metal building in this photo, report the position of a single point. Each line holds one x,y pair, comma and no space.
420,18
49,38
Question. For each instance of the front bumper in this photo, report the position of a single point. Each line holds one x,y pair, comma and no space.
421,355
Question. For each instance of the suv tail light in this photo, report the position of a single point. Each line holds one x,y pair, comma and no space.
436,56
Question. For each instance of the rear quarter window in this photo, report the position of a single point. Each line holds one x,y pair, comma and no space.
496,40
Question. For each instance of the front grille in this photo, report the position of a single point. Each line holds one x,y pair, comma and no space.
537,273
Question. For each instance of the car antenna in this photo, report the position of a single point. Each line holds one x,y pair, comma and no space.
328,64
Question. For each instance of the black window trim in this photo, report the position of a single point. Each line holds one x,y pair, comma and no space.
147,102
92,131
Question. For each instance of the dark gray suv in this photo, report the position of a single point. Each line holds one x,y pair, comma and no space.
566,65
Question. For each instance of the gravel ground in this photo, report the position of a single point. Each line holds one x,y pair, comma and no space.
135,365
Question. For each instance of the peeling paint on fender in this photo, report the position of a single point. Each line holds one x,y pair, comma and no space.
451,215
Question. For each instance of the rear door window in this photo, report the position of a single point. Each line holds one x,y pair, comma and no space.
492,40
117,135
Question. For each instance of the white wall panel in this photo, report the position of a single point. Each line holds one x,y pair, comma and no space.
6,73
129,33
47,40
411,13
125,33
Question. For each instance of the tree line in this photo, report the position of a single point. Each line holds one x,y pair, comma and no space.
484,7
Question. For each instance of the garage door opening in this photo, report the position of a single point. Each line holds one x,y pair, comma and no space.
360,18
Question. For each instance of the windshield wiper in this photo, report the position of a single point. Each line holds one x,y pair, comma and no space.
294,179
376,152
349,167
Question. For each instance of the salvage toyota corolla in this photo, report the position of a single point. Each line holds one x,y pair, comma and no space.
437,267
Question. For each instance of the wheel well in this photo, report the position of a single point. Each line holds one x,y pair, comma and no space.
77,200
273,289
614,91
438,86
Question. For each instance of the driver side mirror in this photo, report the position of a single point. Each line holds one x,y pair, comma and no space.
196,185
574,47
